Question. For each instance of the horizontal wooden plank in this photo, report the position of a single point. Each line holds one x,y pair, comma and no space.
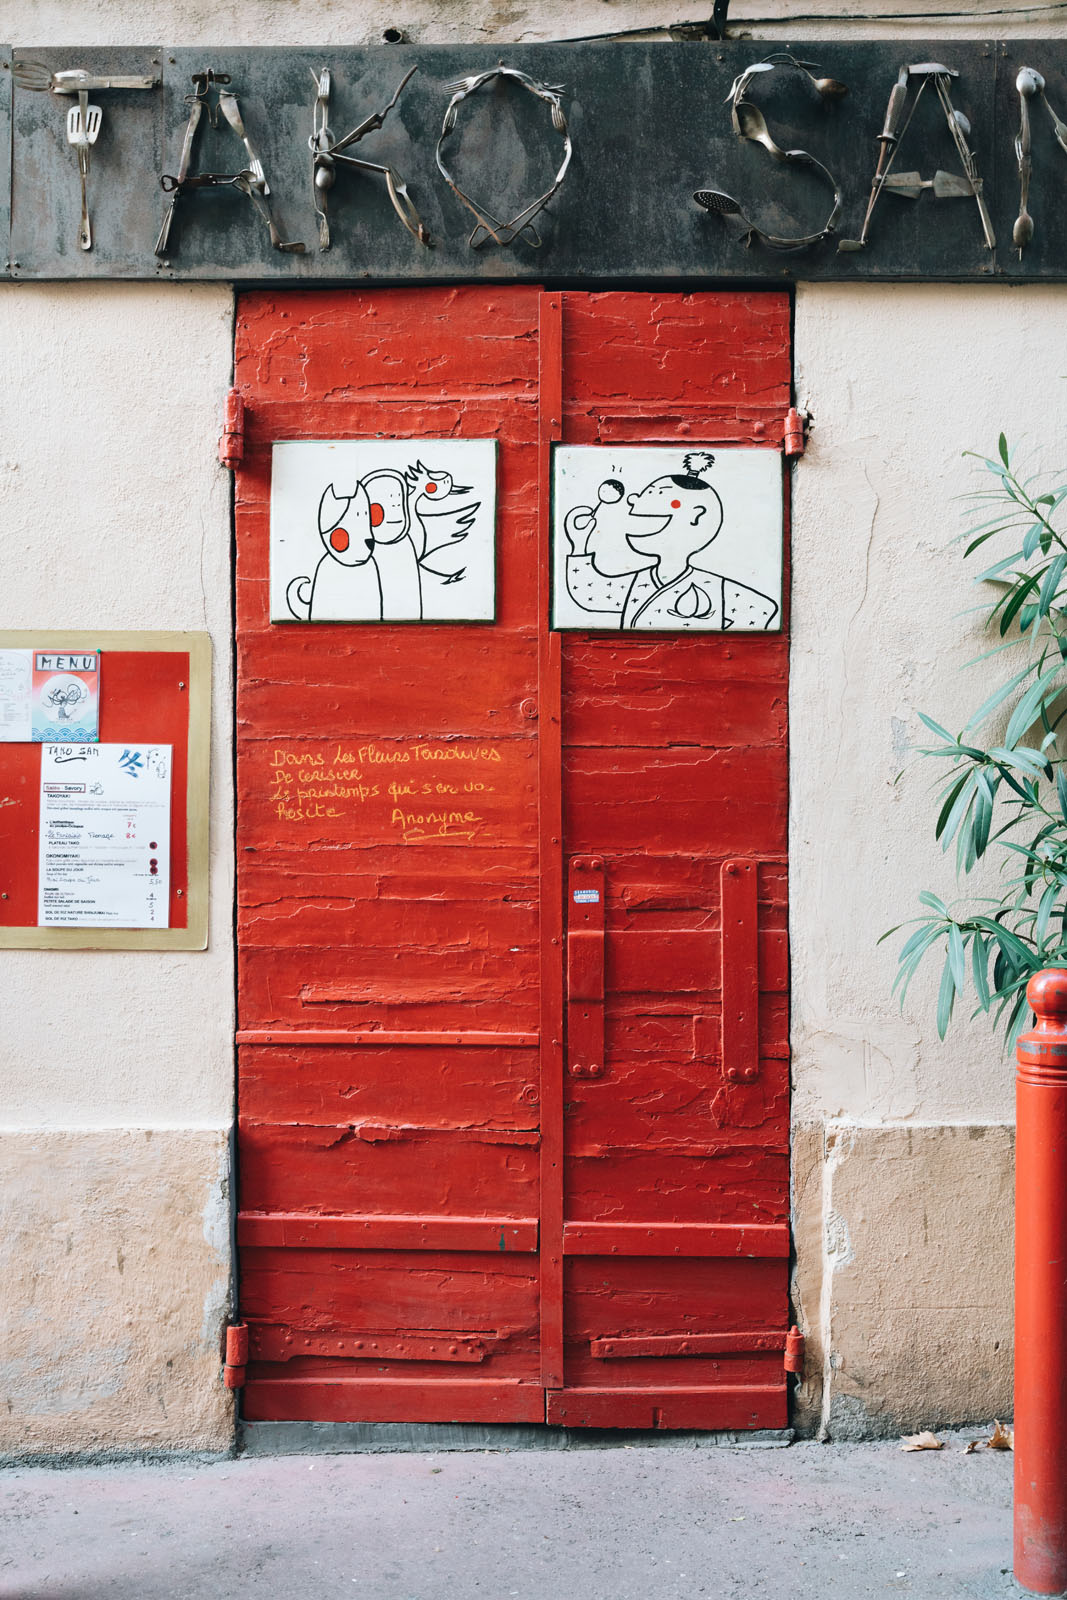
632,1348
472,1040
336,990
676,801
366,871
299,918
317,788
729,1183
648,882
724,691
294,677
365,343
676,1239
665,1104
656,1026
731,347
278,1342
403,1083
728,1406
676,960
643,1296
357,1291
391,1400
310,1230
415,1008
403,1171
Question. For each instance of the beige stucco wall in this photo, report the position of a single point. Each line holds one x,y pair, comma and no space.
117,1082
901,381
115,514
114,1256
358,22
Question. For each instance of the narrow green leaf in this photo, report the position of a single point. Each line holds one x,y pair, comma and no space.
950,799
1044,912
1025,712
992,573
979,967
1002,447
981,539
1051,584
983,814
935,727
1018,1022
945,1000
999,696
957,957
1028,761
1018,599
928,898
920,940
1061,791
960,807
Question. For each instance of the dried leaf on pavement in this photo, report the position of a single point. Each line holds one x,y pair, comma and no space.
1003,1438
922,1441
971,1446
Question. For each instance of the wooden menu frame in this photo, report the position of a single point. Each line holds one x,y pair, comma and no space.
152,686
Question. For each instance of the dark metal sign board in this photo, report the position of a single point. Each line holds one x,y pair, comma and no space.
650,124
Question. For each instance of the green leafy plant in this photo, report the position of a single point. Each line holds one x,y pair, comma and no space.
1012,796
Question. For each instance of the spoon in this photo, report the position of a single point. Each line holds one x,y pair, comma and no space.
1028,83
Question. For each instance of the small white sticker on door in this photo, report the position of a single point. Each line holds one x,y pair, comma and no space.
586,897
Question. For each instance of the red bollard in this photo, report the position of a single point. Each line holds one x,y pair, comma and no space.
1041,1291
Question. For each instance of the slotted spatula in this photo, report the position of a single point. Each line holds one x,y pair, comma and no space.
83,127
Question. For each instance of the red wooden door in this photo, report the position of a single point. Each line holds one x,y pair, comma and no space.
453,1204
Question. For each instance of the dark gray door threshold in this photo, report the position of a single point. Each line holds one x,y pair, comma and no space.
345,1438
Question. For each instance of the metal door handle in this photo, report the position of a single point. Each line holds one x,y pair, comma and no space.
740,970
585,967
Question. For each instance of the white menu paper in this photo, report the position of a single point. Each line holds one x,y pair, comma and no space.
16,680
104,857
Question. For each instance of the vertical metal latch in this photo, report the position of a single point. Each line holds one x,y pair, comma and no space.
233,1369
232,440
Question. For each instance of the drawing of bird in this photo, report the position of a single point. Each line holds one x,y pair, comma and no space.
440,523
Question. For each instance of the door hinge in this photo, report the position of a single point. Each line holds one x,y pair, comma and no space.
236,1359
793,1360
794,438
232,440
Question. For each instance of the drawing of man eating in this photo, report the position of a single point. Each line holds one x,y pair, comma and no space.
649,577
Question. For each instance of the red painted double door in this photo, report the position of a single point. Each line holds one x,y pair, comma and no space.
453,1203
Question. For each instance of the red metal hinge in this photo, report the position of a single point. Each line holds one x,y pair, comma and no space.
233,1369
794,1350
232,441
796,430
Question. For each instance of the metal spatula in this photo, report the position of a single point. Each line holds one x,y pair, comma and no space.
83,127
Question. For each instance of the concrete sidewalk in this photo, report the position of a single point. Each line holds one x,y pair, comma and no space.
639,1522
